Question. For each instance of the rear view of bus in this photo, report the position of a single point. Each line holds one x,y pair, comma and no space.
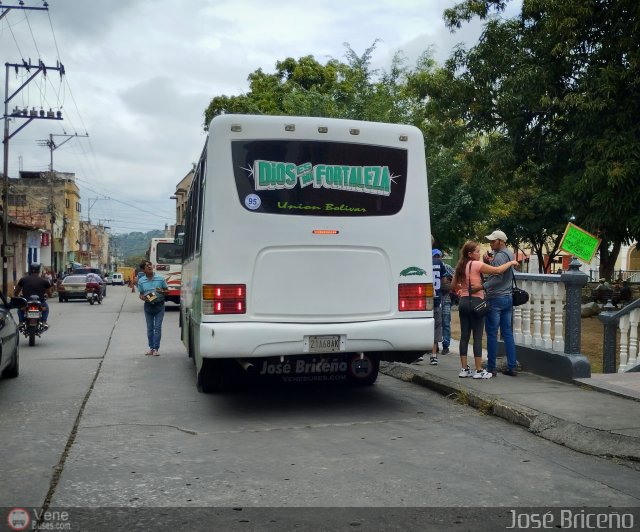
307,250
166,257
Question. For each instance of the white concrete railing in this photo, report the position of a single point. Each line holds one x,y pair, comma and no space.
540,321
628,331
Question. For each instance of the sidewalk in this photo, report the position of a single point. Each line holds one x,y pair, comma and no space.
594,416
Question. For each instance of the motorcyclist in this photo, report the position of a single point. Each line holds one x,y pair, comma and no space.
93,283
34,285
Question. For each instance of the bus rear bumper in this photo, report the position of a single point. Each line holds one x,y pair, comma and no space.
262,339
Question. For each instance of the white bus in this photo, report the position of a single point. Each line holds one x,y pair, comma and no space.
307,250
166,256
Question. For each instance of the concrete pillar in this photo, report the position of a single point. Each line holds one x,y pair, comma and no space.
573,281
609,321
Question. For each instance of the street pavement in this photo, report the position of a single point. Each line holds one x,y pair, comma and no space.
599,416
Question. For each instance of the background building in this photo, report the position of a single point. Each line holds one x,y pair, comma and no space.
50,203
45,225
182,188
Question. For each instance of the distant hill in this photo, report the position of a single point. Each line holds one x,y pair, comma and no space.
134,244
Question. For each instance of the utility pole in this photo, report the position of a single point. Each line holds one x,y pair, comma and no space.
102,235
7,250
90,203
52,213
5,9
29,115
52,147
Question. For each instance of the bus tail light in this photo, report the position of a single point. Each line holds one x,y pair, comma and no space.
224,299
162,267
415,297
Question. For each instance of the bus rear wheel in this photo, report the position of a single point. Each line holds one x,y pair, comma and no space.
214,376
363,369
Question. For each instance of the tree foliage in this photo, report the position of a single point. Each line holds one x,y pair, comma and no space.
533,126
556,91
132,246
352,89
304,87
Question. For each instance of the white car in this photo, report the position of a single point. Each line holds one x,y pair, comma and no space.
117,278
9,361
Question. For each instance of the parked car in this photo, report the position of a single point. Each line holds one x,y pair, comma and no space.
9,345
72,287
117,278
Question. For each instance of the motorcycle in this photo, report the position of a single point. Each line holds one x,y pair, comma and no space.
32,325
94,294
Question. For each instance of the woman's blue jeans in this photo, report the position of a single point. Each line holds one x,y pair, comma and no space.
500,316
154,314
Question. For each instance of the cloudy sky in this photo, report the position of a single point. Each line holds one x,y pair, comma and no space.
140,73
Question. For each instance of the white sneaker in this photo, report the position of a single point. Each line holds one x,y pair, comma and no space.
465,372
417,360
484,374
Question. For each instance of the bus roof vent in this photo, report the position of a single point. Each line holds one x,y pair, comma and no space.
404,138
354,131
323,129
289,127
236,127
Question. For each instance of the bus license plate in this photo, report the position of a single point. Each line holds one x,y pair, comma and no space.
33,314
323,344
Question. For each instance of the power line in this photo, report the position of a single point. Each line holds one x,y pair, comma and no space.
87,164
137,207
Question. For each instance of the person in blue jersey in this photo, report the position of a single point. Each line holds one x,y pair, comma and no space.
152,288
445,303
439,272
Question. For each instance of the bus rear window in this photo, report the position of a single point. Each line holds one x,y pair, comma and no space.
169,253
314,178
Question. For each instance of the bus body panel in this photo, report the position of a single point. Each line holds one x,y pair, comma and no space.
260,339
300,282
320,283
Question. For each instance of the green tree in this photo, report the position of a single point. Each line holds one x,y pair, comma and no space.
460,187
134,261
352,89
304,87
555,90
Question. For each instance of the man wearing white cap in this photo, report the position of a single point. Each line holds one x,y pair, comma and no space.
498,290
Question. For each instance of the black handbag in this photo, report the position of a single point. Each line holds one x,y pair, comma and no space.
518,295
481,308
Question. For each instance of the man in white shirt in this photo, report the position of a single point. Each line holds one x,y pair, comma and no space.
94,282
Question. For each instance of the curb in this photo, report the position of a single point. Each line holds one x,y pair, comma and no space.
587,440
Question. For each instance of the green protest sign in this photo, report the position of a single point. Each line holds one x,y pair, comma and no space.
579,242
